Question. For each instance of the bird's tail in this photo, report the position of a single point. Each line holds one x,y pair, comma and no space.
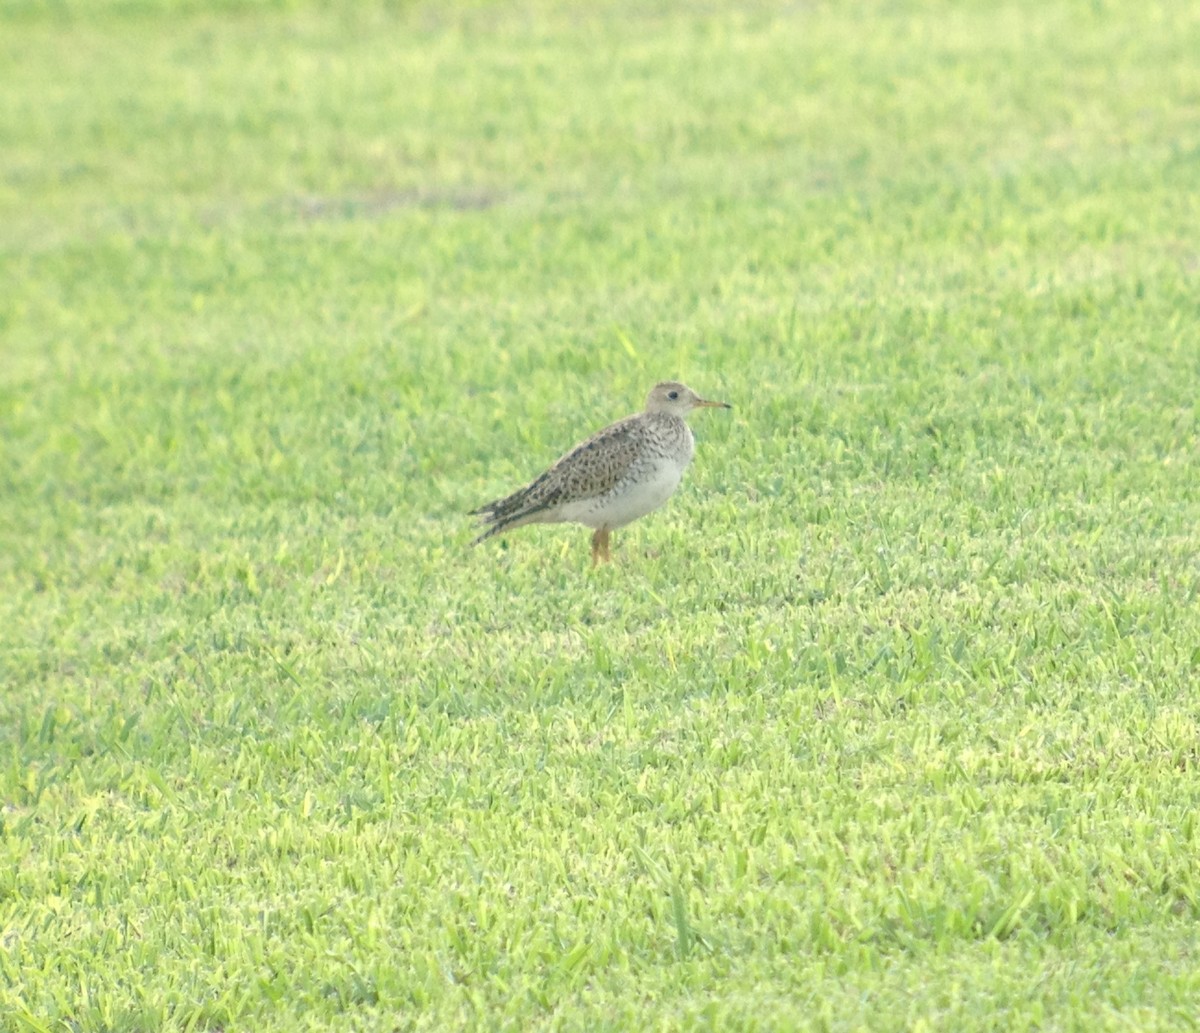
499,514
495,529
522,507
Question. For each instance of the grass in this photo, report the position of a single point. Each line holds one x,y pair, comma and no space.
887,721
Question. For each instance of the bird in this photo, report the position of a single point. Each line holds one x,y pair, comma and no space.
618,474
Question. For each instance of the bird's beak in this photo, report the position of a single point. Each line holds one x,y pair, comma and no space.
704,403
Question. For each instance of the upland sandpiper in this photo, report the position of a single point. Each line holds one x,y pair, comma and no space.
617,475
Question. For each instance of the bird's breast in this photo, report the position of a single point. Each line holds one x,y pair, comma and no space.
671,441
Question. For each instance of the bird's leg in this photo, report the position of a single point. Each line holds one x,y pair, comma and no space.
600,547
608,546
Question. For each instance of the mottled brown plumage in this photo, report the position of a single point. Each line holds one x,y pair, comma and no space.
617,475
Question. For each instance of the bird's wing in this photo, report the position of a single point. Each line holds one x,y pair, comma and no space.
592,468
596,466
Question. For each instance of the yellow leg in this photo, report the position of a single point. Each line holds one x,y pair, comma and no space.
600,551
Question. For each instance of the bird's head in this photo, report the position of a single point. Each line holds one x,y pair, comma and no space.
678,399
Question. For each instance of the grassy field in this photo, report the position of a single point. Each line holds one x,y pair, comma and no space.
889,720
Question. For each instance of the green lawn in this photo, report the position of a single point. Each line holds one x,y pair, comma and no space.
888,721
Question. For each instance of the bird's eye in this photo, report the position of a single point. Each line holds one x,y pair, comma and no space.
673,395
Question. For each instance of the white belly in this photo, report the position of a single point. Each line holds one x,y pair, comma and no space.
628,501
